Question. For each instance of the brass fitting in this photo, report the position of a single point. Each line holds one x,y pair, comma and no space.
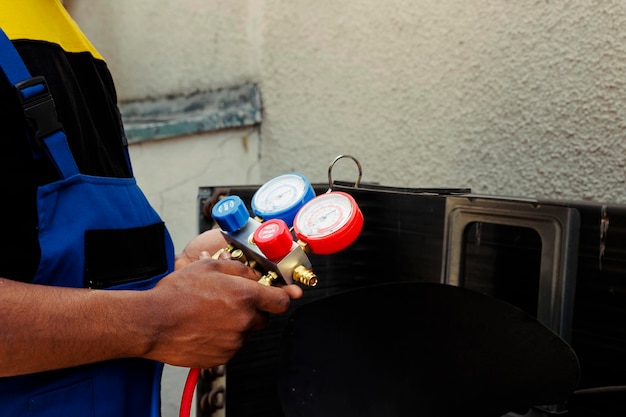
304,276
304,246
238,255
268,279
228,249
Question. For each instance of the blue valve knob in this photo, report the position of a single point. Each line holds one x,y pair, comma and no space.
230,213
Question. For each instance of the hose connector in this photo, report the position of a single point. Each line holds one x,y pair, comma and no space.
304,276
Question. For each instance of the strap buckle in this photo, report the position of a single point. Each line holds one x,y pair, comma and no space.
39,108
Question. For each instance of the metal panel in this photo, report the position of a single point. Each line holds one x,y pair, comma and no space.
403,239
557,227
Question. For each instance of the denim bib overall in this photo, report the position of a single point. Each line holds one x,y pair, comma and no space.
94,232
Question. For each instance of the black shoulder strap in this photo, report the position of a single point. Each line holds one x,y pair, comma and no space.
45,130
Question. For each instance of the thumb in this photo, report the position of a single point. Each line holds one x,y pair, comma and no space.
273,300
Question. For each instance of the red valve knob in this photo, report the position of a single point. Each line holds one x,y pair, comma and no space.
274,239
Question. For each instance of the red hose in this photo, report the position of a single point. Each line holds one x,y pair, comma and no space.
188,391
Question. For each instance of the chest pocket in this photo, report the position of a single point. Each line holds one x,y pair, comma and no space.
118,257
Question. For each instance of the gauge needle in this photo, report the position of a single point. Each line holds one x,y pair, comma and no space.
328,214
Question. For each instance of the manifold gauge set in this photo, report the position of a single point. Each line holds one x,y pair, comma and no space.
289,222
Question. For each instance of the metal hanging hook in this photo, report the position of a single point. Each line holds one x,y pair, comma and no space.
330,169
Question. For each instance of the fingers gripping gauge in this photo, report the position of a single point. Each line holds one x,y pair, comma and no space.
282,197
329,223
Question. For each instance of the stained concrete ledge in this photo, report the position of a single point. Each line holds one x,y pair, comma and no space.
199,112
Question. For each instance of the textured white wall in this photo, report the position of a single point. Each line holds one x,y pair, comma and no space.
513,98
156,47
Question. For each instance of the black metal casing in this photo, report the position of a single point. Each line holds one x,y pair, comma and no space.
406,238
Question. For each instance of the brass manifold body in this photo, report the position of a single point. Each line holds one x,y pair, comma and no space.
293,267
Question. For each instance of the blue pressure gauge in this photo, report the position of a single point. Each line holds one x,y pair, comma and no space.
230,213
282,197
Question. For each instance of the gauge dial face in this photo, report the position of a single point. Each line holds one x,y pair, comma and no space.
280,193
324,215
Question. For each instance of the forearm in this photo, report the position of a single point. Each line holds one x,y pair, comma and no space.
198,316
43,328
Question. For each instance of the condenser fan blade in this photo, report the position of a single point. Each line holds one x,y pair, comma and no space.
417,349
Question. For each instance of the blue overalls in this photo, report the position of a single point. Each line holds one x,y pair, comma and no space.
95,232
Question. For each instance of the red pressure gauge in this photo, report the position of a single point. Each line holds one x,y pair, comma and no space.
329,223
273,239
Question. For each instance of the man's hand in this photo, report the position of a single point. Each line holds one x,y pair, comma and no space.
209,309
208,242
195,317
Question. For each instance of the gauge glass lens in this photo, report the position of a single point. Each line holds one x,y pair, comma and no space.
324,215
280,193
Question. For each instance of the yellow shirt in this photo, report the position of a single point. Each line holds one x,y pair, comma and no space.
43,20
